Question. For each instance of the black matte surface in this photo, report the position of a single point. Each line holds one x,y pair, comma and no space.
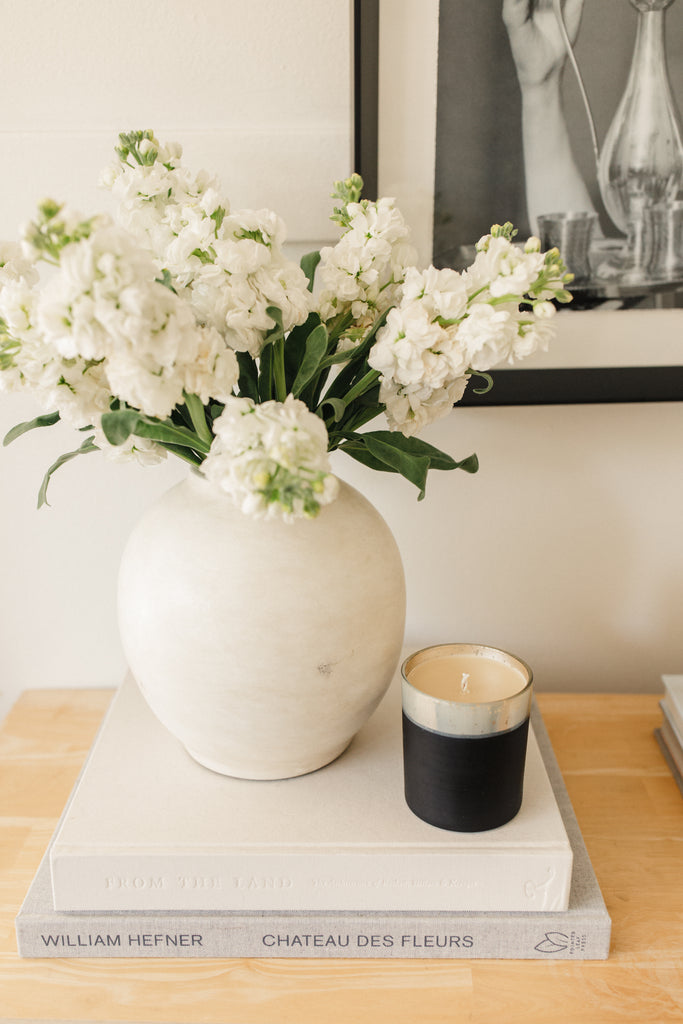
464,784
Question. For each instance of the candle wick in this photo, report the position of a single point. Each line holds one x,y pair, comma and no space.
464,683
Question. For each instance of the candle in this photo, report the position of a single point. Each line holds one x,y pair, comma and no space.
467,678
465,724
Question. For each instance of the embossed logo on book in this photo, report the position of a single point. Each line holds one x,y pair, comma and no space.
554,942
558,942
540,892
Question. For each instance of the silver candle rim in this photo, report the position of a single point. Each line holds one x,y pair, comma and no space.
466,718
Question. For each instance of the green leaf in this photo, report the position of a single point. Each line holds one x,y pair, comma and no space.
295,346
186,454
248,379
195,408
337,405
48,420
337,357
166,280
413,467
315,351
357,450
308,264
343,356
84,449
416,446
410,456
364,409
218,217
203,256
119,425
180,417
338,324
278,331
468,465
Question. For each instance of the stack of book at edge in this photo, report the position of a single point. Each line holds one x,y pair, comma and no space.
670,734
157,857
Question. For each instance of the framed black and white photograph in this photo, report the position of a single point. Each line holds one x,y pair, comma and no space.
561,117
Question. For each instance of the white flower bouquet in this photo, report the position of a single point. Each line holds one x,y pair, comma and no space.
180,326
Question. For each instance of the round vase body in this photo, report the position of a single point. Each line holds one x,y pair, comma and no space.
263,646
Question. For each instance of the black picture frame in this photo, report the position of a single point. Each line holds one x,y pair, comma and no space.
366,92
583,386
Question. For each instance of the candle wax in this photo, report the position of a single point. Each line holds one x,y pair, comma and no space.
466,678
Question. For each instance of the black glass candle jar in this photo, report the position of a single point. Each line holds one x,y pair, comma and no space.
465,724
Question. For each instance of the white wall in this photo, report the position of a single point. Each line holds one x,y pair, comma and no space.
260,93
565,548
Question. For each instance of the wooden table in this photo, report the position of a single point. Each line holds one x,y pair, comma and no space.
631,815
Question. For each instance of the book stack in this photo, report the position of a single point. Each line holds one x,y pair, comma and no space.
670,733
157,856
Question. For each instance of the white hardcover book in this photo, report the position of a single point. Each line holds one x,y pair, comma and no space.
582,932
149,829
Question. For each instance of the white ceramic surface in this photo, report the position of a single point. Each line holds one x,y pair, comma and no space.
262,646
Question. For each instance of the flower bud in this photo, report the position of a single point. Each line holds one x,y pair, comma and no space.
544,310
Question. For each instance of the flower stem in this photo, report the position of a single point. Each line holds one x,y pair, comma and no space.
279,380
363,385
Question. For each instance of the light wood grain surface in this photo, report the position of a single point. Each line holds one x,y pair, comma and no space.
631,815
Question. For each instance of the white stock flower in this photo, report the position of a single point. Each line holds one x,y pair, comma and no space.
442,292
364,270
271,458
419,353
229,265
17,279
15,266
487,336
76,389
105,304
214,371
411,408
412,348
535,331
80,393
16,305
502,268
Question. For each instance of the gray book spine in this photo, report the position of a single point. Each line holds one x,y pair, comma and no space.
556,936
580,933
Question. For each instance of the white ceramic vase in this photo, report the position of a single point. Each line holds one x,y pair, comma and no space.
263,646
